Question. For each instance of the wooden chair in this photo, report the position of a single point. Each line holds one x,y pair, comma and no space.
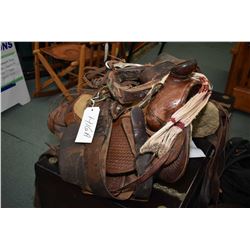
75,56
238,84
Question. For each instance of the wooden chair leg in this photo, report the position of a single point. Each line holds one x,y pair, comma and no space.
91,55
37,67
37,74
62,73
81,68
115,49
54,76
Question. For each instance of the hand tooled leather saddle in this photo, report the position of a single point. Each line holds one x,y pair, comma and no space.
135,102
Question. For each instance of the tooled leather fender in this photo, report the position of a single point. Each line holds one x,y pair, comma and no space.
177,88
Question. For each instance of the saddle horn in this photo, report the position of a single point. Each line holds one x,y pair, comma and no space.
183,70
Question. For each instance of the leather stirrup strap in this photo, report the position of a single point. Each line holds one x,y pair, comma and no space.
143,190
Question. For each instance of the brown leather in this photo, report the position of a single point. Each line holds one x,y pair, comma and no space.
116,109
129,85
172,172
143,190
158,163
120,158
98,168
156,71
174,94
111,166
56,119
109,162
81,103
95,77
183,70
126,94
71,157
129,74
66,113
209,192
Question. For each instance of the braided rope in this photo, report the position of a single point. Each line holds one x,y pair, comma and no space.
163,139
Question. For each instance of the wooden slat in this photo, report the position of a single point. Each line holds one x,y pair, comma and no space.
37,67
245,66
114,49
91,55
81,67
248,81
60,74
55,77
52,91
238,58
242,99
238,82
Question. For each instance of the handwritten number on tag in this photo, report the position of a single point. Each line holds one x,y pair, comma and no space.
88,125
88,122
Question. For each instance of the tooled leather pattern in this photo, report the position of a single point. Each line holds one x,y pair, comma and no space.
171,97
120,158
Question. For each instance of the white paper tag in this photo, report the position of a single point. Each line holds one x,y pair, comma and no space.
195,152
87,128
